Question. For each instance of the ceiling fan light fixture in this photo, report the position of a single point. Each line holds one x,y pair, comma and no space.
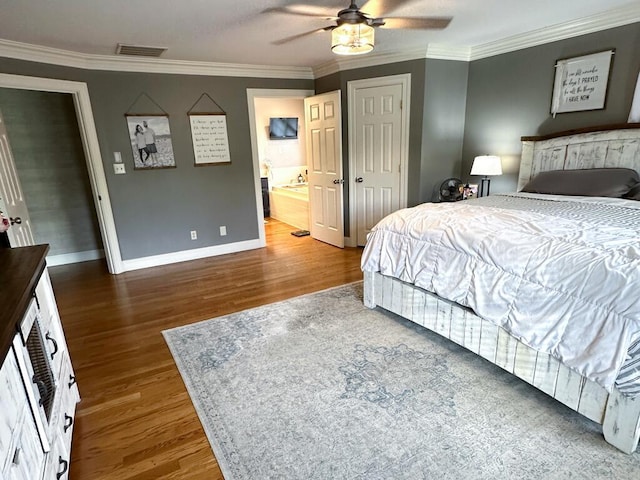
352,39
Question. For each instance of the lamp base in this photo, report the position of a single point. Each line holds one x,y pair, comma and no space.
488,180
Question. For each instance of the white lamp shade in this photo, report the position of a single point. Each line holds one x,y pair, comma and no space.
352,39
486,165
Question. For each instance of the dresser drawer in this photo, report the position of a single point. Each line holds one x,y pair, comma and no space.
58,460
65,407
14,405
26,457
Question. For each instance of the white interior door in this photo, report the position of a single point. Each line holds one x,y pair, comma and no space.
11,196
323,127
379,152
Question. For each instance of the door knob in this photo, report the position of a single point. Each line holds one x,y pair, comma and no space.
359,180
338,181
17,220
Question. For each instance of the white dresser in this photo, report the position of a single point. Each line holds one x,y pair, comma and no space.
38,391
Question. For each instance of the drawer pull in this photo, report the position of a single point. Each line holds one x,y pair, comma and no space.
16,456
68,421
55,344
42,389
65,467
72,380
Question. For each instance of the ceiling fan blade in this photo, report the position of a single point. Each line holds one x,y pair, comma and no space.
378,8
298,11
282,41
418,23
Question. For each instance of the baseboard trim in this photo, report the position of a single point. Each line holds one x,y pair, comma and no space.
75,257
186,255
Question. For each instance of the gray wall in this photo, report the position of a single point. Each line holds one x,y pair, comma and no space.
47,150
445,100
509,96
155,210
505,97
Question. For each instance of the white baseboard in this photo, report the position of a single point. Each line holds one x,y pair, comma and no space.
75,257
186,255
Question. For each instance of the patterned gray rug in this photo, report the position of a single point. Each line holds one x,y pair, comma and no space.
320,387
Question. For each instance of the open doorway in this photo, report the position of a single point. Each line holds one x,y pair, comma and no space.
42,131
280,169
89,139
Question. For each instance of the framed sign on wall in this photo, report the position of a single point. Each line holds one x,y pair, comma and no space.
209,137
581,82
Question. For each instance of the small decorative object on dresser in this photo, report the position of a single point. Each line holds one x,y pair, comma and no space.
37,384
470,191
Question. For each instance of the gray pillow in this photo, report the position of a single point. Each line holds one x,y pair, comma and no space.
593,182
634,193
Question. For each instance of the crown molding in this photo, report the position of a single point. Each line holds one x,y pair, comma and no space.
35,53
435,51
562,31
67,58
448,52
370,60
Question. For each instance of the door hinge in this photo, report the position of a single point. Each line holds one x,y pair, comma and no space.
401,104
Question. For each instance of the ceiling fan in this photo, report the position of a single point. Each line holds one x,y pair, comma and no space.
353,31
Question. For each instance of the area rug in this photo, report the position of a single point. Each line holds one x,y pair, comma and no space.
320,387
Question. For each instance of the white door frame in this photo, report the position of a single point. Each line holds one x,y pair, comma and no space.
89,137
252,94
353,85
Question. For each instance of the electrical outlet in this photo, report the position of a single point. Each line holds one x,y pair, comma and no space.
223,230
118,168
194,235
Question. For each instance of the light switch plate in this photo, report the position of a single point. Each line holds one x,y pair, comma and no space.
118,168
117,157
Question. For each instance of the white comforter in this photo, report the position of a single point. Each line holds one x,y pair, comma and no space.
562,274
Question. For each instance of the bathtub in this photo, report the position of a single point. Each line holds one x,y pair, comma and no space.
290,204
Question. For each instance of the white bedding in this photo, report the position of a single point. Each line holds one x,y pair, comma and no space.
561,274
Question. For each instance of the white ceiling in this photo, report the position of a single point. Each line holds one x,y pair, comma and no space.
236,31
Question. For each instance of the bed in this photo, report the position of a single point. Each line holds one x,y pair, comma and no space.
571,326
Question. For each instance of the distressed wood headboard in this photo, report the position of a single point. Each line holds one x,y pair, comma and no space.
594,147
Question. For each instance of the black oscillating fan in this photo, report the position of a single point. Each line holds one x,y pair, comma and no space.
451,190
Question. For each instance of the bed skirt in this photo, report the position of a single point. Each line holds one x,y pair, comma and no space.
619,415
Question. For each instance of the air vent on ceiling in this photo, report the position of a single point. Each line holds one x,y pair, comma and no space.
139,50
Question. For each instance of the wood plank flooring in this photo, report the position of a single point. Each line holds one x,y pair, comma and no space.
136,420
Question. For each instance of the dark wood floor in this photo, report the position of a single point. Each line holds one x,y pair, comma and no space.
135,420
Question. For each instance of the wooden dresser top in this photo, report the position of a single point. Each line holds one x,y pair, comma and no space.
20,270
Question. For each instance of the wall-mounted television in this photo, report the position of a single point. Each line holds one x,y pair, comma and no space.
282,128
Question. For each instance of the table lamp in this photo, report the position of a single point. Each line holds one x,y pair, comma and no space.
486,165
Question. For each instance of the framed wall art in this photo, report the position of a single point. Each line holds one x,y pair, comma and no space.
209,137
150,137
581,82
